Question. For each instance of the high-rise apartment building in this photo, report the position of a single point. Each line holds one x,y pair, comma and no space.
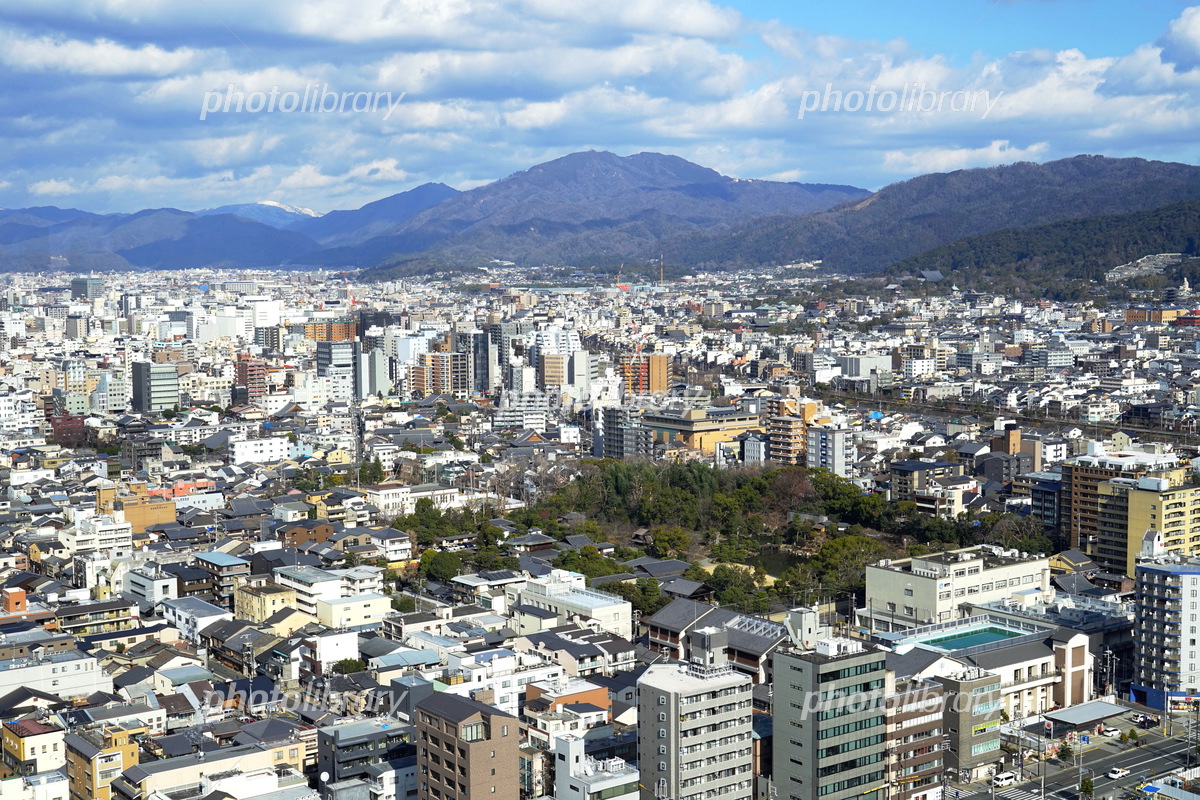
251,374
1079,503
831,449
1166,657
694,726
466,750
644,373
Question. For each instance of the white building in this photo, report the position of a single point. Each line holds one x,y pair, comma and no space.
93,531
268,449
68,674
831,449
910,592
578,776
565,594
192,615
694,727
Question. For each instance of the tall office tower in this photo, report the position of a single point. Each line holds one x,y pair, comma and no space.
644,373
834,748
86,288
155,387
508,339
620,434
694,726
466,749
251,374
481,359
339,362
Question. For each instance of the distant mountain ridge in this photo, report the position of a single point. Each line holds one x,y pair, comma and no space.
911,217
600,209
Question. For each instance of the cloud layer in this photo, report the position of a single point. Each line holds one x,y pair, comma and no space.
103,103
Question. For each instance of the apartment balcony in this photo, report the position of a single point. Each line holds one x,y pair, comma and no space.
1035,682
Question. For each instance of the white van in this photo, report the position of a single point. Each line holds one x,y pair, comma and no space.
1004,779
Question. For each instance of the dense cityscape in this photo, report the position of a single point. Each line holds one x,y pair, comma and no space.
286,533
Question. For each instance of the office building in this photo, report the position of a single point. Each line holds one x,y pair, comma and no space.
694,726
830,711
338,363
155,387
86,288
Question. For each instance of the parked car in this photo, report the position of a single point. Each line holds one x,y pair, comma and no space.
1113,732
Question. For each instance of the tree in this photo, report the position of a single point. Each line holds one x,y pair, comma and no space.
371,472
348,665
668,542
442,566
1133,735
404,604
1065,751
1087,786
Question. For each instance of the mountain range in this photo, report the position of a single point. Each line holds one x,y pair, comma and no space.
600,209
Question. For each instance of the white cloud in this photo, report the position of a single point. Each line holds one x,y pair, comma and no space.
53,187
100,57
946,159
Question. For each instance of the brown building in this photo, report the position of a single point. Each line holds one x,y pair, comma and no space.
914,739
306,531
466,750
95,757
252,374
327,331
644,374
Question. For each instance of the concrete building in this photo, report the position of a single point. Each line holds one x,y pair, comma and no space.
909,592
29,747
362,612
566,595
466,749
258,603
95,757
831,449
69,674
191,615
348,750
155,387
578,776
694,727
1166,658
1079,507
836,747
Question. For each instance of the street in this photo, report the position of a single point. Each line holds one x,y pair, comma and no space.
1156,756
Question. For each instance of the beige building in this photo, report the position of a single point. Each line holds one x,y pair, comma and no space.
362,611
259,603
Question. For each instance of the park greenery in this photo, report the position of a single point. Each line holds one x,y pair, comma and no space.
719,521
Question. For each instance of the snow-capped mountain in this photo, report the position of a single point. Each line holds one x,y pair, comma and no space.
268,212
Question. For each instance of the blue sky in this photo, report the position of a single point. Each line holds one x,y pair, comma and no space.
112,105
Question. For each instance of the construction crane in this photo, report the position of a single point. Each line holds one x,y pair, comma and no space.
620,270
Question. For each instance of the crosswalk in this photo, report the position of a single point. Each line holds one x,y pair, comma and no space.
1012,793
